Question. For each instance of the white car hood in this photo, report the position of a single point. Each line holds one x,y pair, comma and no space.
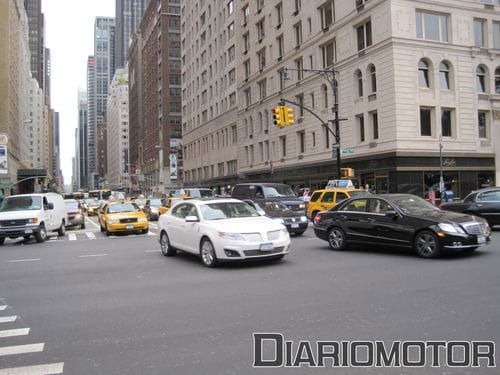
16,215
259,224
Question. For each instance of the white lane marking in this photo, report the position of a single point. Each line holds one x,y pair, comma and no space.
14,332
153,251
3,307
92,222
312,239
90,235
21,349
23,260
48,369
92,256
151,233
72,237
8,319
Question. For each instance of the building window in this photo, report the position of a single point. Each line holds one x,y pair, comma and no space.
327,14
246,64
281,46
279,13
446,122
425,122
324,91
329,54
299,65
248,97
423,74
298,5
298,34
361,127
246,42
497,80
364,33
230,7
480,33
444,76
262,89
482,122
301,137
281,74
260,30
375,124
496,34
480,79
373,78
230,30
358,76
246,14
283,146
261,55
432,26
300,102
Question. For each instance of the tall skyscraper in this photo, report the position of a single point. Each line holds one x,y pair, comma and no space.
36,24
81,141
128,15
99,75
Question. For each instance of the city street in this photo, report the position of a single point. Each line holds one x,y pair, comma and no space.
88,304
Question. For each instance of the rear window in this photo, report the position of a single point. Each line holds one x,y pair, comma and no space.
244,191
316,196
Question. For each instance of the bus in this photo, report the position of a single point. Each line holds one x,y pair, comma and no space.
101,195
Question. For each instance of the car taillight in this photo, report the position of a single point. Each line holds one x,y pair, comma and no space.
317,218
440,206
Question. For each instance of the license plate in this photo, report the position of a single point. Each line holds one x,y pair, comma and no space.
129,226
481,239
267,247
295,226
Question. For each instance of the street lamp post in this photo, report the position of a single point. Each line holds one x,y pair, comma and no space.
441,179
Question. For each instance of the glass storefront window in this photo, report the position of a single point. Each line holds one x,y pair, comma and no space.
431,182
485,180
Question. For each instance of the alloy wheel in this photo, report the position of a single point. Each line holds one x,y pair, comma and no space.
336,239
208,254
426,245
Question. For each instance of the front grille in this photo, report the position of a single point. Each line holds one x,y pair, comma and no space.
294,207
290,220
474,228
252,237
128,220
13,223
274,235
254,253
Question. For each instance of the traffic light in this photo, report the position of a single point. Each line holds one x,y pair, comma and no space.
278,116
347,172
289,117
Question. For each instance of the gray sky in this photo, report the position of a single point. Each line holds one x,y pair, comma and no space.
70,37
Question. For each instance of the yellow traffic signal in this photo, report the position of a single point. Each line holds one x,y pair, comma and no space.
278,118
289,116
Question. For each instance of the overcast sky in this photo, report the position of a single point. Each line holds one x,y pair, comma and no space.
70,37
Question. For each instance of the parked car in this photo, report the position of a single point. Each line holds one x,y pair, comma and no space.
221,231
32,215
484,203
122,217
75,213
152,209
269,192
323,200
401,220
295,221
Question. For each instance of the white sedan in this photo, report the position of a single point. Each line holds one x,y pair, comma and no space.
220,231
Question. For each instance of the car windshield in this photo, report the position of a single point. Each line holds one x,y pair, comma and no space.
274,206
155,202
140,201
125,207
278,191
72,206
413,205
228,210
21,204
201,193
356,194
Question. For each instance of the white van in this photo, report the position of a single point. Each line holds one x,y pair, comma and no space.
32,215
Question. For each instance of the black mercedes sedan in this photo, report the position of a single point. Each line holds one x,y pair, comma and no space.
401,220
484,203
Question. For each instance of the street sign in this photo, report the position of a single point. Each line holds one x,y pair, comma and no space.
347,151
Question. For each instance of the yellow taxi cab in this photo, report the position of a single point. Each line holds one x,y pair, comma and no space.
169,203
323,200
122,217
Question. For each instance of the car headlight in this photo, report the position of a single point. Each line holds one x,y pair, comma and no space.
231,236
279,221
154,209
114,221
142,220
78,216
450,228
284,232
303,219
33,220
302,205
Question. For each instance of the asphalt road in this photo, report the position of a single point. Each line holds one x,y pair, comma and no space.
87,304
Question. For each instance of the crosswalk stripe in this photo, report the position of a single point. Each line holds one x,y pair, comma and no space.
3,307
90,235
72,237
14,332
21,349
8,319
48,369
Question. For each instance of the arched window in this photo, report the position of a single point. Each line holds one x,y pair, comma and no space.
324,91
245,127
480,79
373,78
423,74
359,82
266,124
250,128
497,80
261,123
444,76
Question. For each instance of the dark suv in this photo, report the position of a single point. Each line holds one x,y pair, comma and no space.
262,193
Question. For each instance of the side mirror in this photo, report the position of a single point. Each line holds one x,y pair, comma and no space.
192,219
391,214
49,207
